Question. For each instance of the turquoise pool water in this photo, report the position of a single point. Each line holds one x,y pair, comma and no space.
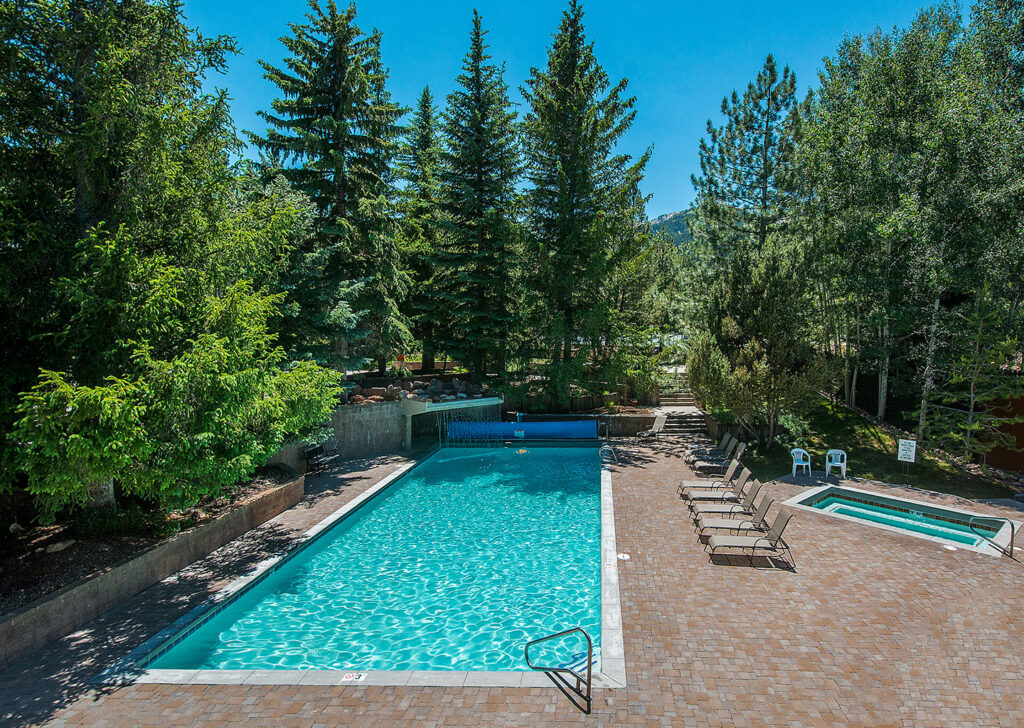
921,522
453,567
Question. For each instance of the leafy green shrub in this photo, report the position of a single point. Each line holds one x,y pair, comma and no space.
181,428
794,431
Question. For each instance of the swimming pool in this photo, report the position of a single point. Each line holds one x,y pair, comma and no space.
451,567
945,525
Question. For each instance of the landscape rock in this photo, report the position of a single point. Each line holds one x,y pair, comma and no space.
357,399
59,546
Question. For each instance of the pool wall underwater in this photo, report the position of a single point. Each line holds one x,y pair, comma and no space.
946,526
135,667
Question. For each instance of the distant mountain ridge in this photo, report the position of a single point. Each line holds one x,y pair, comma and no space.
674,223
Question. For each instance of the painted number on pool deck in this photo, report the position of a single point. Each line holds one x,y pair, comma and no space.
907,451
353,677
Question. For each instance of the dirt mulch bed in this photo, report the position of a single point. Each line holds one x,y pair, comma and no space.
28,572
621,409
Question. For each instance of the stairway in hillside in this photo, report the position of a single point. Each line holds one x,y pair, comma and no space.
685,424
684,419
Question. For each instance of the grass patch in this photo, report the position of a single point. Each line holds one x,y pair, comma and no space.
871,453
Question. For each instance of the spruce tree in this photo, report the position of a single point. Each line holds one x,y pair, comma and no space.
753,290
337,121
421,217
480,167
582,199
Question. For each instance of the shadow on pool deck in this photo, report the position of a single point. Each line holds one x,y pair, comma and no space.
34,688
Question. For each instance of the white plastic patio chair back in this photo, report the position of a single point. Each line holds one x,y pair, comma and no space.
801,460
835,459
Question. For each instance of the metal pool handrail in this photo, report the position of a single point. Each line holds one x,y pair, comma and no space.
581,681
1006,550
609,450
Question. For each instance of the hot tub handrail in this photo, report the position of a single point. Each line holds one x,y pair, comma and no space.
1006,550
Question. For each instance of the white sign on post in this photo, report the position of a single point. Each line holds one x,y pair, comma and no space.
907,452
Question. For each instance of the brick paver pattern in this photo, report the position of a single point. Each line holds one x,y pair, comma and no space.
871,628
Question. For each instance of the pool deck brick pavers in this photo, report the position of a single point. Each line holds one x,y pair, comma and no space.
872,628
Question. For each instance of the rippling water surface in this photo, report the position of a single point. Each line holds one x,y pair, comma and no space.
453,567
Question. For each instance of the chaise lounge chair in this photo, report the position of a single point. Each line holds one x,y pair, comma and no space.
708,444
770,543
692,496
724,482
713,467
701,453
717,486
723,508
754,522
659,425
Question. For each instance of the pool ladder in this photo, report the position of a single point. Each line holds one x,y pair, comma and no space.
1005,550
609,451
583,681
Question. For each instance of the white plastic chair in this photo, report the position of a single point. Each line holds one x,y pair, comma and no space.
801,459
835,459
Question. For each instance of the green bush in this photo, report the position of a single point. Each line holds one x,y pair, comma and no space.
794,431
181,429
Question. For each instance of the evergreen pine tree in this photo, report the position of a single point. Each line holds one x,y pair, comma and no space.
752,286
582,199
480,167
419,171
336,119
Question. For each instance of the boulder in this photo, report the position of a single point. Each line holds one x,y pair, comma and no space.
357,399
407,385
377,391
375,398
461,395
59,546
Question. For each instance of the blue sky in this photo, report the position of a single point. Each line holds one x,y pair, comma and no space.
680,58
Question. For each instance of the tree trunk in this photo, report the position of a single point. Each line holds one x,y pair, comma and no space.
883,373
853,386
427,363
101,495
929,370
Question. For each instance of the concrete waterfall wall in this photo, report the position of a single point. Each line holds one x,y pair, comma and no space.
358,429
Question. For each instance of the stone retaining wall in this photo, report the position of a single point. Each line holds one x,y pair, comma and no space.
66,610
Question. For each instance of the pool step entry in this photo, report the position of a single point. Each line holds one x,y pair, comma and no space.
579,668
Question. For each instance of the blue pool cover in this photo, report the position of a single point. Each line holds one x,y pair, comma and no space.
575,430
